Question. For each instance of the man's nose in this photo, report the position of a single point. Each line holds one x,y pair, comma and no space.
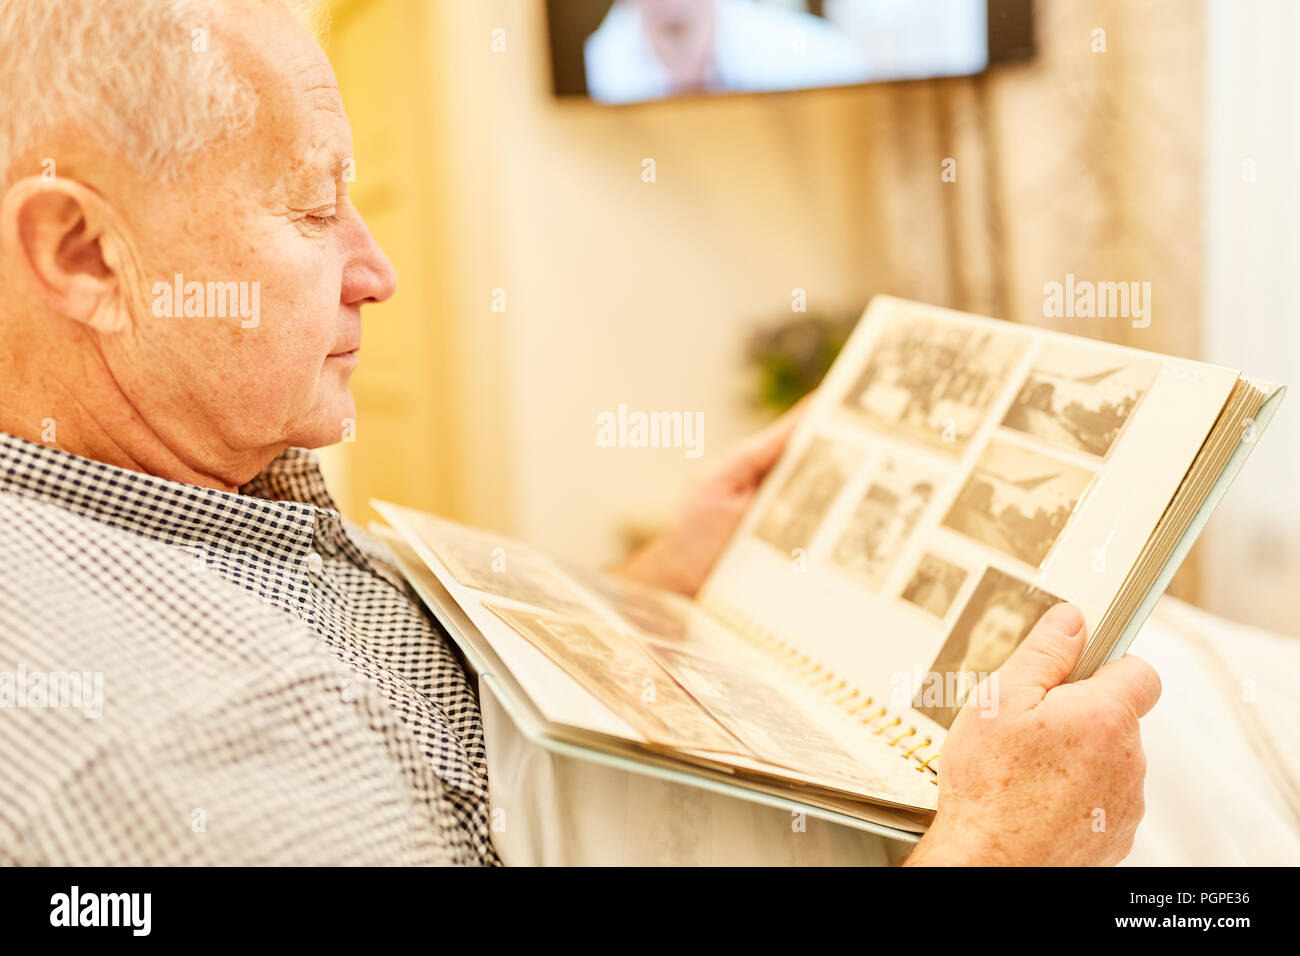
368,276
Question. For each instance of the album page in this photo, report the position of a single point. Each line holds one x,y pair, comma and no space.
612,657
954,478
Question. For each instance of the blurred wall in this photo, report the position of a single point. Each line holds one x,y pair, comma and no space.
621,290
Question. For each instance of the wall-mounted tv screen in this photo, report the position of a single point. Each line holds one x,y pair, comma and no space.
635,51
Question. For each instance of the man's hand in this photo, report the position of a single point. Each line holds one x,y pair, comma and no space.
1055,777
679,559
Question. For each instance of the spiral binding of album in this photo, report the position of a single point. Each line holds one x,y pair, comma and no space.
923,750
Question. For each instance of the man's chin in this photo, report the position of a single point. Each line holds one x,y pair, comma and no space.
338,424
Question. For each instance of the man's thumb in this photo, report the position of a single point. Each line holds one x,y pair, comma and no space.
1046,657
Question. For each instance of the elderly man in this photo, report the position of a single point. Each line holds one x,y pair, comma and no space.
268,689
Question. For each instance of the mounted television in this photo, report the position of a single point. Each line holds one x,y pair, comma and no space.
637,51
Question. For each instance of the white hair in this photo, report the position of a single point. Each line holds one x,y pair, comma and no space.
142,75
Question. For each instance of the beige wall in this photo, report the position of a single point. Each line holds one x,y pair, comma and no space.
621,291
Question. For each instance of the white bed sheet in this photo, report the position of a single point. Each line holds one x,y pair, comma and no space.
1222,744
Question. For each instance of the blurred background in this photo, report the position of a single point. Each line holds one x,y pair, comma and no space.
583,218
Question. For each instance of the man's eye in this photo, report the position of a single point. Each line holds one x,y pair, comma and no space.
331,220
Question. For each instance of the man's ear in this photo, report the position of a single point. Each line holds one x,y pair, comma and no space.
72,246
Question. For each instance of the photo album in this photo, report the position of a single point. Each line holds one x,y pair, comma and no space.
953,478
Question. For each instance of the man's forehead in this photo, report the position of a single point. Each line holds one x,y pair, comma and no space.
319,108
312,79
298,95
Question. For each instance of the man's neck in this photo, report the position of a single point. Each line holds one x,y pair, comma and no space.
88,415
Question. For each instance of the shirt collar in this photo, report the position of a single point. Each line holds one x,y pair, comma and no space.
275,514
294,476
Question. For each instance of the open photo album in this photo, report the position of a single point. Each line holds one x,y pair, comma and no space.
954,477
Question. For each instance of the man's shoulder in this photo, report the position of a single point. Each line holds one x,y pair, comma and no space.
48,550
30,522
140,692
73,585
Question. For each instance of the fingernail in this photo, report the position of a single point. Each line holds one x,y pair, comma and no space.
1066,619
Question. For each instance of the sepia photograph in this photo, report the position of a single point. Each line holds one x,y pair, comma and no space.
500,566
999,615
1080,398
883,520
663,615
934,585
656,616
767,721
793,515
1018,501
623,678
932,382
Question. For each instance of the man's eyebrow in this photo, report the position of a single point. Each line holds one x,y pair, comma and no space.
320,164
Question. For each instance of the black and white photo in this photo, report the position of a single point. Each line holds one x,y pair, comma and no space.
1018,501
1079,398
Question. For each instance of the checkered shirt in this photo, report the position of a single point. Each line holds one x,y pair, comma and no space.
190,676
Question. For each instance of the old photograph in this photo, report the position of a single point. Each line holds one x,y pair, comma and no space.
622,677
500,566
1018,501
791,518
1080,398
999,615
932,382
884,519
663,615
772,725
934,584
